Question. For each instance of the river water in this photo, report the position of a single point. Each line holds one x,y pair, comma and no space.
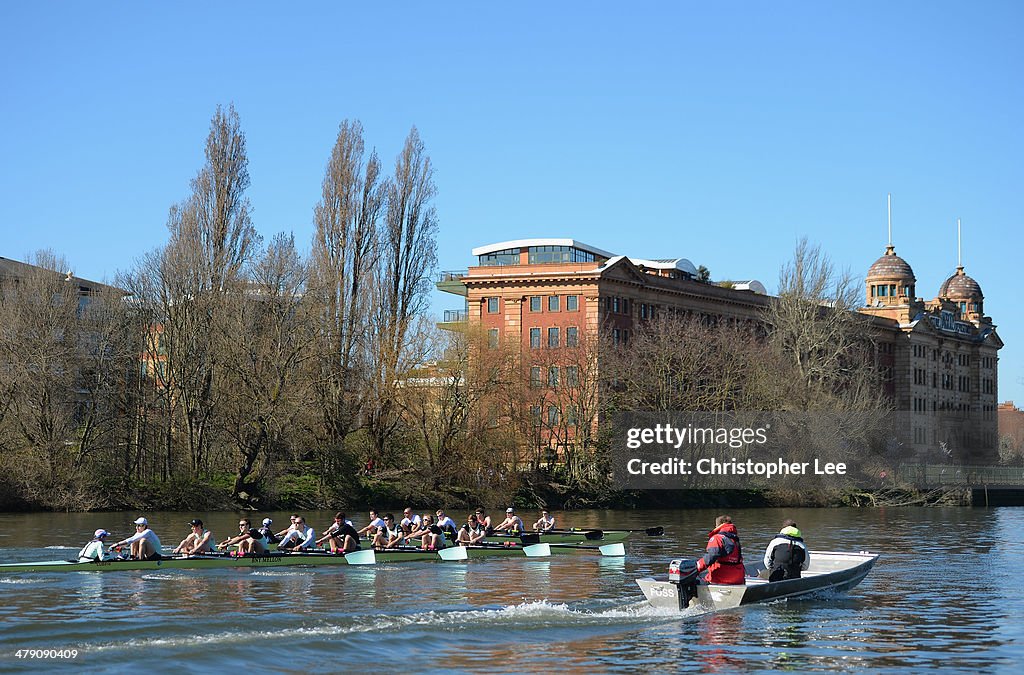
945,595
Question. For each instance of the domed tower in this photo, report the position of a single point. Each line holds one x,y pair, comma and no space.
965,293
890,281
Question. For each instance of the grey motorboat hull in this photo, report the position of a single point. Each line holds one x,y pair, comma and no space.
829,571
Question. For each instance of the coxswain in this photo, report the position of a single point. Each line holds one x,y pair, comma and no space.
723,558
94,551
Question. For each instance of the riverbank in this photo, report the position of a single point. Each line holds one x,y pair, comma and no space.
394,490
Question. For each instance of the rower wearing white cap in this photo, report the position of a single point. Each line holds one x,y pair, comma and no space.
94,551
268,533
512,522
145,545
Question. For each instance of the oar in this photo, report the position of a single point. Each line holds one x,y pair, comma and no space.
364,556
650,531
537,550
454,553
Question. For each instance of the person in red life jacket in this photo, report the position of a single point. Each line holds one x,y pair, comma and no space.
723,559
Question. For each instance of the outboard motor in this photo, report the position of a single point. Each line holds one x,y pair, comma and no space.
683,573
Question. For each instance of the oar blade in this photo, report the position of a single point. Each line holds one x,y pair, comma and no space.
361,557
454,553
537,550
594,535
616,549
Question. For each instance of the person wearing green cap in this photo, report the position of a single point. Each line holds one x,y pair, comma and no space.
786,555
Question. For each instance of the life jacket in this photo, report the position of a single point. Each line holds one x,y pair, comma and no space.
727,566
787,558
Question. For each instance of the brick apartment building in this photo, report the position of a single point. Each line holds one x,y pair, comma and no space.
939,357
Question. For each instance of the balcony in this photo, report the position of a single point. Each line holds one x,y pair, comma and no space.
451,282
453,319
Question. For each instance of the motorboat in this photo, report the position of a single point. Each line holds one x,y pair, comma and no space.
828,572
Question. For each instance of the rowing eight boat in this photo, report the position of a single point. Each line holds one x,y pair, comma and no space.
282,559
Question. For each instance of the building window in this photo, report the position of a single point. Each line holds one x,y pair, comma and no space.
535,338
509,256
553,416
535,415
535,376
534,303
553,338
572,336
552,303
616,336
492,338
572,303
615,305
557,254
553,376
492,305
572,378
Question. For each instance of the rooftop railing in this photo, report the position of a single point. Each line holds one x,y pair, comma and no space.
455,315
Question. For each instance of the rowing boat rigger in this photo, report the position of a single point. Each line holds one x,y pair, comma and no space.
572,536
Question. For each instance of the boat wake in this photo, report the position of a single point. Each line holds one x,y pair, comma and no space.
527,615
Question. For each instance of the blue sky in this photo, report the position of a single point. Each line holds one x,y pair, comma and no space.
720,132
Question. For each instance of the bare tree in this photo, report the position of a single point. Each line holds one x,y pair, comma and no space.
343,262
408,254
813,322
41,359
263,394
212,238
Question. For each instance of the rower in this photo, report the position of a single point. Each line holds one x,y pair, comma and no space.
388,536
512,522
268,533
256,544
546,523
446,524
302,538
145,545
472,532
484,519
340,534
376,522
430,535
93,551
410,520
238,539
284,533
199,540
